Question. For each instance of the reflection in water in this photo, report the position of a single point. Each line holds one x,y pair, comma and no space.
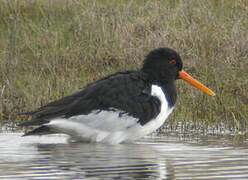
152,158
99,160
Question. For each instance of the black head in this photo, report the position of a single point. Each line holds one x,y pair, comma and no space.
162,64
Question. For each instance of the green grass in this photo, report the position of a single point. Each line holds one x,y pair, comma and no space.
50,49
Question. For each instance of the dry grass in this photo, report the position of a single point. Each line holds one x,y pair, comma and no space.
49,49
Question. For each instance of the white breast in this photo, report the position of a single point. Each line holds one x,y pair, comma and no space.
164,111
109,126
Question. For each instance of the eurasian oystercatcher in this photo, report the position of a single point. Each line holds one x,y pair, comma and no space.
120,107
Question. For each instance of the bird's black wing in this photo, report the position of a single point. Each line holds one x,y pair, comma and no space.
127,92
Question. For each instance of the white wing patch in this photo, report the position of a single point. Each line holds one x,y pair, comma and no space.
110,126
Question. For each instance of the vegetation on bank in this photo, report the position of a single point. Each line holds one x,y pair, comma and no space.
50,49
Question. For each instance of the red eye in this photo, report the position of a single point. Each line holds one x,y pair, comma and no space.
173,62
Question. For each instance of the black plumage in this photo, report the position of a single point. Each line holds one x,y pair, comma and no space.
126,92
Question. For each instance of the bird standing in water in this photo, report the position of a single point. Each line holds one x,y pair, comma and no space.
120,107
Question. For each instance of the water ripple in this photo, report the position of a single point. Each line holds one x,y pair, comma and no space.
167,157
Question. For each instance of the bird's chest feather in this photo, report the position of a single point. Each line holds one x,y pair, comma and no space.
165,110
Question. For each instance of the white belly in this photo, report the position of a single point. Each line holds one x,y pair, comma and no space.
109,126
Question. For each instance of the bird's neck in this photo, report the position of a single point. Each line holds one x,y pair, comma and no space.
170,92
166,84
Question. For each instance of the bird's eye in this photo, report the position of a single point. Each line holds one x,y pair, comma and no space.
173,62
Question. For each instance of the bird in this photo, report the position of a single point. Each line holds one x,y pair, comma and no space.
119,107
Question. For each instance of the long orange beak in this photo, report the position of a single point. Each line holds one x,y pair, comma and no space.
185,76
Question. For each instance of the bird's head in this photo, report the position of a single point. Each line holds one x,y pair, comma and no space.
165,65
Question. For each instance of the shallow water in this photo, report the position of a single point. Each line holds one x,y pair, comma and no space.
166,157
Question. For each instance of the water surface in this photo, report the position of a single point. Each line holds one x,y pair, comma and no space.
165,157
